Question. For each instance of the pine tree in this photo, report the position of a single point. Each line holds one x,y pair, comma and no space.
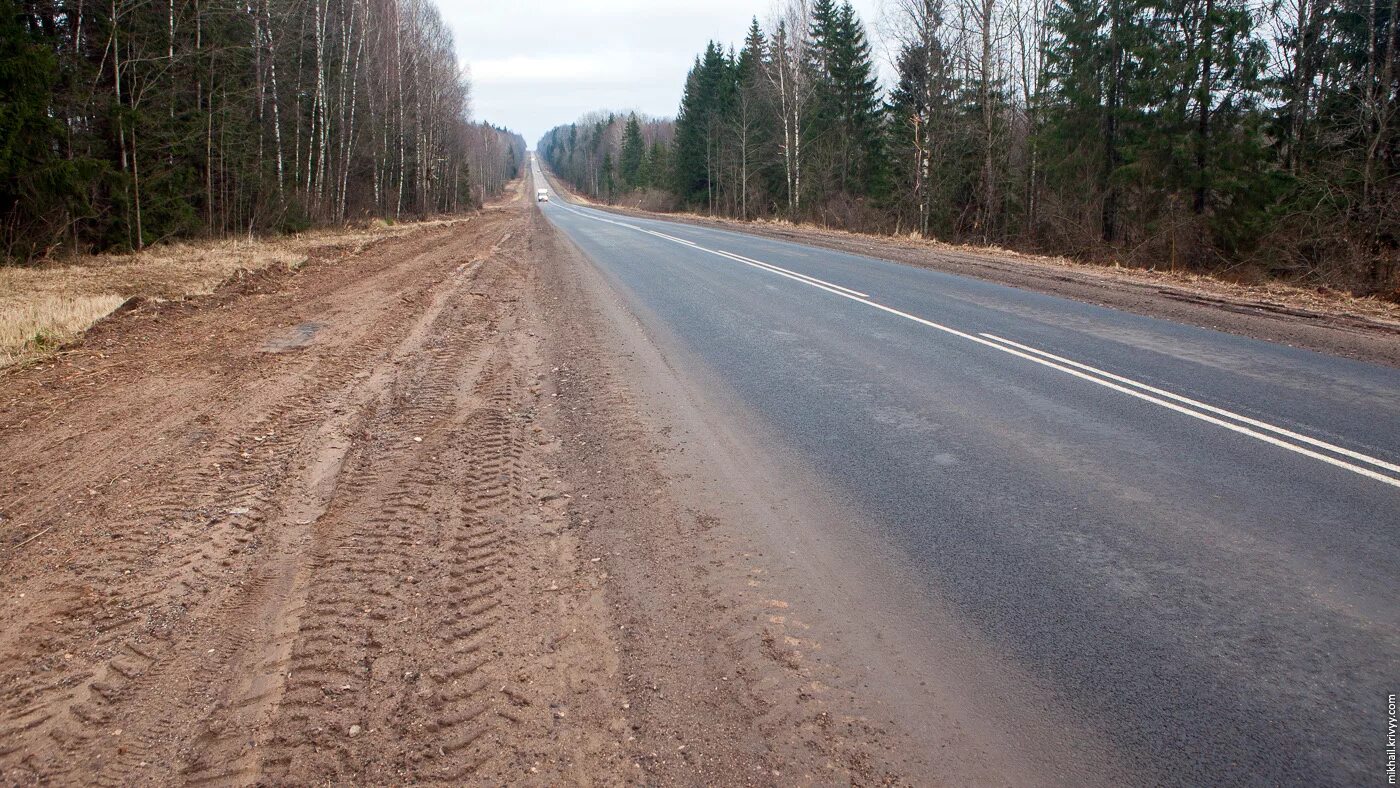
689,173
1092,68
36,190
705,108
231,116
633,151
752,124
1206,82
848,103
658,166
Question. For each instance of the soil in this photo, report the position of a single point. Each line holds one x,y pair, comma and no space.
390,517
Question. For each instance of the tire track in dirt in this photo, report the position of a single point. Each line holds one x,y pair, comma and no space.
170,368
201,529
224,751
382,588
363,502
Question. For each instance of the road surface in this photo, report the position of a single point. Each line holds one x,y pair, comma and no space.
1190,540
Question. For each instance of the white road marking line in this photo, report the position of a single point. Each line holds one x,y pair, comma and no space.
786,272
1068,367
1321,444
749,261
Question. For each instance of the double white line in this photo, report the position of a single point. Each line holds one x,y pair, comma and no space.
1362,464
749,261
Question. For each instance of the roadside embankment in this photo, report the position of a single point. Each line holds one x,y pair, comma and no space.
44,307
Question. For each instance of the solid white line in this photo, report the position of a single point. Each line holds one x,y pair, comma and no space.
1321,444
1068,367
780,269
811,280
777,269
1367,472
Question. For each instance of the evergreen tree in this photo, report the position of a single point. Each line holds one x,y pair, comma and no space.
753,128
848,106
633,151
705,107
130,122
1093,67
689,173
1142,128
605,154
1206,83
1334,118
37,189
658,166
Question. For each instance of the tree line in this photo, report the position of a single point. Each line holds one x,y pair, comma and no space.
1210,134
128,122
608,154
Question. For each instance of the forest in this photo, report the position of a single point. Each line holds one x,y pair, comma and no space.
608,154
1246,139
124,123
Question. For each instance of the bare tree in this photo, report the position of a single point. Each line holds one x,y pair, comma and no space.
788,40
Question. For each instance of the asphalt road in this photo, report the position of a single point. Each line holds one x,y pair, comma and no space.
1192,536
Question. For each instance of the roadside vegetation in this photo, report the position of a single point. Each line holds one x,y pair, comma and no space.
134,122
1249,141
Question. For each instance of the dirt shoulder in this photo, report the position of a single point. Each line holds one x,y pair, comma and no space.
1321,319
380,519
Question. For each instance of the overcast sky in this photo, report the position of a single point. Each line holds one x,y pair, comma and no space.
538,63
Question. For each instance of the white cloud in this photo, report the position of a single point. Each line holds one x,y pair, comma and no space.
622,68
530,69
538,63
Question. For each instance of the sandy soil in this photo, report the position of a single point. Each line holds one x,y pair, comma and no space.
392,519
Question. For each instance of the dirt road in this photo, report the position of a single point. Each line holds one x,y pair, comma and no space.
389,518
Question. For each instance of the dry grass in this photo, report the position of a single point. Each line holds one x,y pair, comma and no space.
44,306
36,325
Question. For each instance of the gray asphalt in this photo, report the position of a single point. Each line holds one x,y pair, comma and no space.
1222,608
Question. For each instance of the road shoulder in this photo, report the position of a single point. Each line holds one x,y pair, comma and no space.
748,592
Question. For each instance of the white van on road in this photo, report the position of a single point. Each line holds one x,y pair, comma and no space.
542,195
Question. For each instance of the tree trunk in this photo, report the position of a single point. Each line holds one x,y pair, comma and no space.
1203,101
988,121
1110,123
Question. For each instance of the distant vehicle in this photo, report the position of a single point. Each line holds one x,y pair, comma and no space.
542,195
